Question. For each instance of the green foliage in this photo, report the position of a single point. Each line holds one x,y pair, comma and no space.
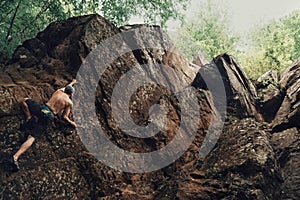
252,63
209,34
275,46
23,19
152,11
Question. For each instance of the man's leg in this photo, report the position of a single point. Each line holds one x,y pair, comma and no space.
24,147
25,108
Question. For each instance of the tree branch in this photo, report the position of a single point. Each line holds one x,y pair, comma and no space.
12,22
2,19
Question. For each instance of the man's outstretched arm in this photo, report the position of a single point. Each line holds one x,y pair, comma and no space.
65,116
72,82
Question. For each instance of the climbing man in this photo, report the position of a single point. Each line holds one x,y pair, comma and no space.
38,116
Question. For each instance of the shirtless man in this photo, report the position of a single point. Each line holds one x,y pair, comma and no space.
36,122
61,102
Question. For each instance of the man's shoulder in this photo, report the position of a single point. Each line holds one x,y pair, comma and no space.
57,92
61,96
68,101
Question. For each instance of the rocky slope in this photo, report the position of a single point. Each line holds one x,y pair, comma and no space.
256,155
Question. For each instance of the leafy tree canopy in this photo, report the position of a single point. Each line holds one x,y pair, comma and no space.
22,19
275,46
280,41
208,34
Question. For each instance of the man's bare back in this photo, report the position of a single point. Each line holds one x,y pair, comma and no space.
60,102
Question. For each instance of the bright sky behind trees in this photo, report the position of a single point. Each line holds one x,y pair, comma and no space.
244,14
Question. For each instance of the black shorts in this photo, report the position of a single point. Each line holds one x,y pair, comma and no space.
33,106
38,123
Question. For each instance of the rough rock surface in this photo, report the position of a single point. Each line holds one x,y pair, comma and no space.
285,128
252,159
240,91
244,171
288,114
287,145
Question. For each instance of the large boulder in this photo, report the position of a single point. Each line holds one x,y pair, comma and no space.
288,115
286,128
281,108
242,166
240,91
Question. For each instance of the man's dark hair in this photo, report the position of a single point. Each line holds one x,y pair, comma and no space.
69,89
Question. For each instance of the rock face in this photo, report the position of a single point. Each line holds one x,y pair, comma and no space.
286,138
245,171
251,160
288,114
240,91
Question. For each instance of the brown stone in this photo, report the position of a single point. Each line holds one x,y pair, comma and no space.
240,91
288,115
